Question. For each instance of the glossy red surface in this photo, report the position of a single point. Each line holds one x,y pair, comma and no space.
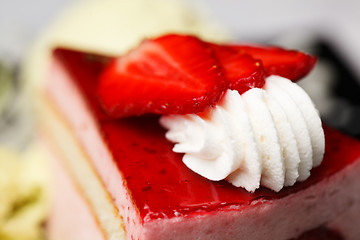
158,181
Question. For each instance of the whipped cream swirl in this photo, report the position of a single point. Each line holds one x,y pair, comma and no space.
271,137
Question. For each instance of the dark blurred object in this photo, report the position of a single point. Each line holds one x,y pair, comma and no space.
16,118
344,113
6,83
320,233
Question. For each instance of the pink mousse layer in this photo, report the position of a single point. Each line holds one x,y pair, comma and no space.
71,217
284,215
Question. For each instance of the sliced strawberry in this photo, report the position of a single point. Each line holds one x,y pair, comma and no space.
177,74
241,70
290,64
167,75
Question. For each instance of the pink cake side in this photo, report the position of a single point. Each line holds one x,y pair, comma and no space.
71,217
331,202
85,128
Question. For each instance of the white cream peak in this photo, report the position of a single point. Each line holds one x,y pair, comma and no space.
271,137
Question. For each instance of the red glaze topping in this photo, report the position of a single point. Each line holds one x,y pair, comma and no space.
176,74
159,183
241,71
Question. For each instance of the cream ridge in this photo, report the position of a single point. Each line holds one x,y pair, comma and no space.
271,137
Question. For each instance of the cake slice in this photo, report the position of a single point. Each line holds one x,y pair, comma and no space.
127,183
120,179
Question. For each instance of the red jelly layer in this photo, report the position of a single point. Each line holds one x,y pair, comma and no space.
159,183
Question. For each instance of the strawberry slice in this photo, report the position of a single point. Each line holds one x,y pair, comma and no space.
172,74
290,64
242,71
177,74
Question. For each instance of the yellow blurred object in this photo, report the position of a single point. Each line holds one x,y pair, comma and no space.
23,194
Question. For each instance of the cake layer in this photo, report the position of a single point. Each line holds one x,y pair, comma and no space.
71,217
82,206
160,198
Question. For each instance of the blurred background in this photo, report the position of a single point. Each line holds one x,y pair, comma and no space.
329,29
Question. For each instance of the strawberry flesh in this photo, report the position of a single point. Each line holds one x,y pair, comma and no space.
170,74
242,71
290,64
178,74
